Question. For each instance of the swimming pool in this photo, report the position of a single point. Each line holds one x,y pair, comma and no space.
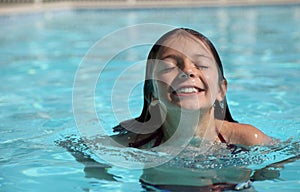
40,55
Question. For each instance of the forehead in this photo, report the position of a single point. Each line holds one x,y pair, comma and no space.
186,44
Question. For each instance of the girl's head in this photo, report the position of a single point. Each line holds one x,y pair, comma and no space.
184,70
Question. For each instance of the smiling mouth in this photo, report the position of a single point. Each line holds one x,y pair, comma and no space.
187,91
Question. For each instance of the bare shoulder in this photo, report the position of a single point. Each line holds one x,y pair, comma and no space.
245,134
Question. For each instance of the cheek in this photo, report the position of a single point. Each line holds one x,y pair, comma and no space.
162,89
167,78
164,82
162,92
212,80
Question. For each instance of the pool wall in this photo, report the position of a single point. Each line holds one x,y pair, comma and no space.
25,6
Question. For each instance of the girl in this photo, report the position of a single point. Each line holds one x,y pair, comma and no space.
185,87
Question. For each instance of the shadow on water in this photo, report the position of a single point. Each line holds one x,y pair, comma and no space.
224,168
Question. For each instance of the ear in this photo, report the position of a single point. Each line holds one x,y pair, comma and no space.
223,90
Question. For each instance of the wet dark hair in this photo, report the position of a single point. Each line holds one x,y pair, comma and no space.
220,113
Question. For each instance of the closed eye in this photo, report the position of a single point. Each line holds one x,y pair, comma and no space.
202,62
167,66
201,67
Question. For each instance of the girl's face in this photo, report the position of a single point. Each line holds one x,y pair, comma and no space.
186,75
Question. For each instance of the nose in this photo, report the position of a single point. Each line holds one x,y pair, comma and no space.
188,70
186,75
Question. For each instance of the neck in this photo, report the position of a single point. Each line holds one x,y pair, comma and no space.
198,123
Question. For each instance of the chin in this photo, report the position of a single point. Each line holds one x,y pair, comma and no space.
190,106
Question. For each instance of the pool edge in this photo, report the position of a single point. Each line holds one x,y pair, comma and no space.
15,9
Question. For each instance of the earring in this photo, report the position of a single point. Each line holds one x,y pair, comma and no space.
221,103
154,102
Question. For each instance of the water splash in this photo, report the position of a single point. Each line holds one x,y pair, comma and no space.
217,156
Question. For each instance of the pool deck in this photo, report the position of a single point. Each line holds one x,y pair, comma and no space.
19,8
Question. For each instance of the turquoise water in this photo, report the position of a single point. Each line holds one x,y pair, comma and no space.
41,52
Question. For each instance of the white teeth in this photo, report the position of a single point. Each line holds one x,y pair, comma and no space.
187,90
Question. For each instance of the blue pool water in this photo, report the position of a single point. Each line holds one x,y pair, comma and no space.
41,52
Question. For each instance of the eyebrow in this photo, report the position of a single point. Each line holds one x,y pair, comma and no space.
171,56
194,57
201,55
